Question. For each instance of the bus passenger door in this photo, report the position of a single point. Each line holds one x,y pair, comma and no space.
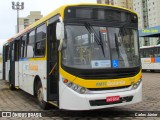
22,62
52,62
14,57
7,62
5,59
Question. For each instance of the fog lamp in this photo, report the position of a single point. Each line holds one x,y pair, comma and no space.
82,90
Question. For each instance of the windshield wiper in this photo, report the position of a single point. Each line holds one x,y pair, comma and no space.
97,37
117,45
100,38
90,30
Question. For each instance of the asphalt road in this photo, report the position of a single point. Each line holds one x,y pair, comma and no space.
18,100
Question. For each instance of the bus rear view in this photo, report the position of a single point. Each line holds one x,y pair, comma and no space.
100,64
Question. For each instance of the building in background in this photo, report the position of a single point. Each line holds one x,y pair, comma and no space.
122,3
26,21
149,16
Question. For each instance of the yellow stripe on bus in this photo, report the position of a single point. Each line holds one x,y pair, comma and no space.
105,83
53,103
35,59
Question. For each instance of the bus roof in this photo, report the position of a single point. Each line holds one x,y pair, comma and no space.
60,11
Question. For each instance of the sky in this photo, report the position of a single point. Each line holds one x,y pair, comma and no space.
8,17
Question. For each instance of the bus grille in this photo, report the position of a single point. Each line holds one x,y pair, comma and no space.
108,75
112,88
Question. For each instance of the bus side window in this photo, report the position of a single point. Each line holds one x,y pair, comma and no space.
7,57
151,53
30,44
12,52
8,53
40,44
141,53
145,53
23,46
157,52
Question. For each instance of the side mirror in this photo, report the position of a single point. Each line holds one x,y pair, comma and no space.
60,31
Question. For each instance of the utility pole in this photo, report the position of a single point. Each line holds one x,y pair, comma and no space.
17,6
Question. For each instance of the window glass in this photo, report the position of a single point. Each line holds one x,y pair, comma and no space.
40,41
30,45
141,53
100,47
41,32
151,53
147,53
23,46
157,52
7,50
31,37
12,52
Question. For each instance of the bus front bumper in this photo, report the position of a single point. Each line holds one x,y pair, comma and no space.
72,100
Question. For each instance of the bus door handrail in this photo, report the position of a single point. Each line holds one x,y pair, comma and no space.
52,69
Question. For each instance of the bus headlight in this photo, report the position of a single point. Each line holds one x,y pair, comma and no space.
75,87
70,84
135,85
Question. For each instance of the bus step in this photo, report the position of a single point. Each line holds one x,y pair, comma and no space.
55,103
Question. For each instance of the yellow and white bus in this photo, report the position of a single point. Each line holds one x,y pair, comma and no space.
79,57
150,57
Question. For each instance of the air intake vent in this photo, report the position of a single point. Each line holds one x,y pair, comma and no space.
112,75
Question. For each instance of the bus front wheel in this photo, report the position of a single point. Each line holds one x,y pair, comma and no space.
40,97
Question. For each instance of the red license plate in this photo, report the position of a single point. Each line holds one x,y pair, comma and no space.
112,99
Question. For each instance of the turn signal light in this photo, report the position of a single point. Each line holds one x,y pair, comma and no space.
65,80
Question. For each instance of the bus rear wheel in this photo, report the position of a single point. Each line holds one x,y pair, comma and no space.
40,97
11,87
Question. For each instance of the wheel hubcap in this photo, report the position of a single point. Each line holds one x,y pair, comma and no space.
40,95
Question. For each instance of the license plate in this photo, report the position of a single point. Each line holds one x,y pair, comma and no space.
112,99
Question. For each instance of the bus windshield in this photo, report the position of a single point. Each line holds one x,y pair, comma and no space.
100,47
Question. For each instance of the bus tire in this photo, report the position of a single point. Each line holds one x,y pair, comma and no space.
44,105
11,87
